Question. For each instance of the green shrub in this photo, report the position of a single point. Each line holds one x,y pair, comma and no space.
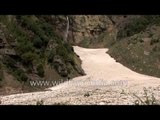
37,42
85,43
62,51
29,68
51,55
71,59
23,77
153,19
35,26
68,47
66,52
50,58
47,28
23,47
135,26
40,70
20,75
9,62
28,57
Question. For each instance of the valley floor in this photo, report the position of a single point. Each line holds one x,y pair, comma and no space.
106,82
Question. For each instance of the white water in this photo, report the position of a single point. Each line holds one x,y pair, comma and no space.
67,29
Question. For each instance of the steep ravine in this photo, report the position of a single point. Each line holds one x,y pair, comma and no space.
106,82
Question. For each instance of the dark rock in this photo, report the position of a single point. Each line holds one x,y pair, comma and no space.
60,66
79,70
6,51
86,95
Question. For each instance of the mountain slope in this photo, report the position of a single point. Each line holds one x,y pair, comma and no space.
133,40
137,45
30,49
102,85
39,47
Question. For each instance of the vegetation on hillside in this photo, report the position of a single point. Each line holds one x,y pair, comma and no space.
36,44
138,45
133,41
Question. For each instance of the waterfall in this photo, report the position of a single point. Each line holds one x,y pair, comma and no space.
116,31
67,28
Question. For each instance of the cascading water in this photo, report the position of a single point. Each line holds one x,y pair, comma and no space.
67,28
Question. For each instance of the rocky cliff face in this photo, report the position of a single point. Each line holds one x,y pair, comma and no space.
133,39
98,30
91,30
31,50
84,29
89,27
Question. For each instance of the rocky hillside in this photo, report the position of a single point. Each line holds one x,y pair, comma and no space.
32,49
133,40
102,85
39,47
137,45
